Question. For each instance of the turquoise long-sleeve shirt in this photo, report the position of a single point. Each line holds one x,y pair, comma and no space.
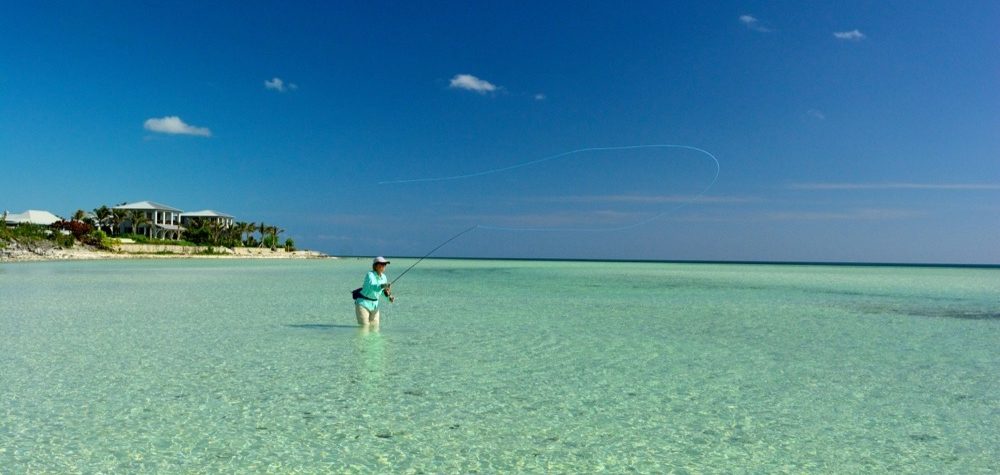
372,288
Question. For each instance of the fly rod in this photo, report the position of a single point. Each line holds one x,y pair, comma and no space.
432,252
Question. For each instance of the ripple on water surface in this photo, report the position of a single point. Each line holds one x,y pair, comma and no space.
490,366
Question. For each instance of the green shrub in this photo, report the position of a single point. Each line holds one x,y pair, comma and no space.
28,232
99,239
270,241
289,245
64,241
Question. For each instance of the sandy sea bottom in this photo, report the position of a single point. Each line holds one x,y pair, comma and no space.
498,366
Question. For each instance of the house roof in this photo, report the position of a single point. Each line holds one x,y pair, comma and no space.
33,216
205,213
146,205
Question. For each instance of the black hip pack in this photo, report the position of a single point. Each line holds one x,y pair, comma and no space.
356,294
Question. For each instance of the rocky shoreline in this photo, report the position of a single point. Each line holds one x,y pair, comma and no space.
48,251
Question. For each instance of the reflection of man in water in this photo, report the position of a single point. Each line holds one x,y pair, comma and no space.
376,284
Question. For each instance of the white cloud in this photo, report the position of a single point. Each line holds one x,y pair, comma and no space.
895,186
754,24
174,125
847,215
540,97
816,114
471,83
279,85
853,35
646,199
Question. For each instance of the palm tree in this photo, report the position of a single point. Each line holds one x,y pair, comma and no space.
242,228
250,227
262,228
269,233
214,232
275,231
138,218
103,217
118,218
230,236
79,215
195,230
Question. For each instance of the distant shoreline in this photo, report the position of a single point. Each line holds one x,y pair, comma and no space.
79,253
18,253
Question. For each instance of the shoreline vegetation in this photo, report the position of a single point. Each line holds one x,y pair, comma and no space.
47,251
101,235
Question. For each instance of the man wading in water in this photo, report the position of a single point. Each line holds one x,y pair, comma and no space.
366,298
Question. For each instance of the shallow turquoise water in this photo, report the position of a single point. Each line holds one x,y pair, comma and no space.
498,366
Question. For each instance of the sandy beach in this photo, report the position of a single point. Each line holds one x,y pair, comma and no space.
47,251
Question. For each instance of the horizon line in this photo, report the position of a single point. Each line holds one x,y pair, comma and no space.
701,261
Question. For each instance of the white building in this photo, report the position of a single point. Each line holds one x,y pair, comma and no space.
32,216
207,215
161,221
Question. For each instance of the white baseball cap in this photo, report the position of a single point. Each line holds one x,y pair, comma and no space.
380,260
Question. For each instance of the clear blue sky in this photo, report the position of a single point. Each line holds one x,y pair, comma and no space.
846,131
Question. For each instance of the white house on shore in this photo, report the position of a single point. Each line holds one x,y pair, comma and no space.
207,215
167,222
160,221
147,218
32,216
